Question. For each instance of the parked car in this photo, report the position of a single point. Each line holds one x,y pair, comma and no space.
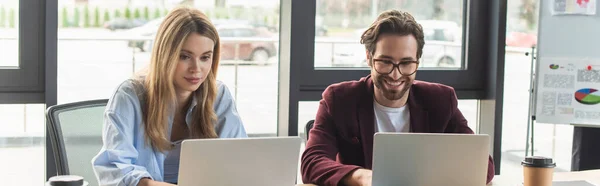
122,23
232,34
147,30
442,46
320,28
257,25
256,51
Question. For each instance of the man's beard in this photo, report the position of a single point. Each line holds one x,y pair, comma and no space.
392,94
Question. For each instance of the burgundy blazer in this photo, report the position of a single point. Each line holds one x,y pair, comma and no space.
341,139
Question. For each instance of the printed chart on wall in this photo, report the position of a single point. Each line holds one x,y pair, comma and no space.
568,91
566,7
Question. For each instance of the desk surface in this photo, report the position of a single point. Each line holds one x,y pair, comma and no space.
592,176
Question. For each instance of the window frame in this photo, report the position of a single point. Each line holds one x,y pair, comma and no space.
481,75
25,83
468,81
35,79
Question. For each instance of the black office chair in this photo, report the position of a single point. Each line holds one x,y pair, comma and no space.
75,131
307,128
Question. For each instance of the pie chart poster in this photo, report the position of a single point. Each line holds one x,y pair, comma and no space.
568,91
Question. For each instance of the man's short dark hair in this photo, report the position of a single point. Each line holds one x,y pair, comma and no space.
393,22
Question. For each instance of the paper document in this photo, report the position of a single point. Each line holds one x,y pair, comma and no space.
564,7
568,91
572,183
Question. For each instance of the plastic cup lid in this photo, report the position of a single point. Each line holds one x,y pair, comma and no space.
66,180
538,161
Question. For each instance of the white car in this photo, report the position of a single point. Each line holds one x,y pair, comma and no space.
442,47
442,44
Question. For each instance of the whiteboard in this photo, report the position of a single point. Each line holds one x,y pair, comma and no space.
567,84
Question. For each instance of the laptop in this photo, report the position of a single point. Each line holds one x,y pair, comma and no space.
269,161
416,159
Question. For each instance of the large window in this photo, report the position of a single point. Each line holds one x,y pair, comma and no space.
21,51
550,140
457,52
22,144
102,43
333,35
9,34
21,93
337,27
340,23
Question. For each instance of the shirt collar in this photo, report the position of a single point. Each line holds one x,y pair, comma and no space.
193,103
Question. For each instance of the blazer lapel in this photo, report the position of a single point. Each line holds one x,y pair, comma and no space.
419,121
366,120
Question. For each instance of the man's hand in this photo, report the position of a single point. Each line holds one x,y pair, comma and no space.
359,177
150,182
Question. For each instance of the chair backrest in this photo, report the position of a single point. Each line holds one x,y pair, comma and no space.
75,131
307,128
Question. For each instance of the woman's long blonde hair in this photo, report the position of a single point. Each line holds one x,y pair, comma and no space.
160,98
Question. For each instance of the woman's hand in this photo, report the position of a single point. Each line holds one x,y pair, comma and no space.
150,182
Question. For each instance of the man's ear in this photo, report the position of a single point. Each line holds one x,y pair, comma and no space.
369,57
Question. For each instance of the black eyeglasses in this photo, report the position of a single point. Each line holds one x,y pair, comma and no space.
386,66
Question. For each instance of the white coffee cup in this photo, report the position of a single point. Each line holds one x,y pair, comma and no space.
66,180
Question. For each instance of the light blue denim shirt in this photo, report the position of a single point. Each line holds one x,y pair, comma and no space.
125,157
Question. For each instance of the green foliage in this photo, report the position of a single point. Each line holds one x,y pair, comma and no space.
117,13
237,13
137,14
65,17
2,16
127,13
156,13
76,17
221,13
86,17
266,20
11,18
527,12
96,17
438,9
146,13
106,16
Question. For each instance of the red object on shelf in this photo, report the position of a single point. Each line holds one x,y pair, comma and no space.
581,2
589,67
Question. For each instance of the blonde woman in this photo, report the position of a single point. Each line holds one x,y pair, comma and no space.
179,98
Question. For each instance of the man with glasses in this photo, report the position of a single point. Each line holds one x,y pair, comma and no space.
340,148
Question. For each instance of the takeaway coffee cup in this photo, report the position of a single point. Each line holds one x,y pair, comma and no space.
66,180
537,171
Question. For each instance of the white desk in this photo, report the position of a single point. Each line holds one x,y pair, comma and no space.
592,176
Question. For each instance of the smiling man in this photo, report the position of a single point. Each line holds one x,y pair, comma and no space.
340,148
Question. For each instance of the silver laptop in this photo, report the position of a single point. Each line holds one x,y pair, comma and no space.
414,159
233,162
